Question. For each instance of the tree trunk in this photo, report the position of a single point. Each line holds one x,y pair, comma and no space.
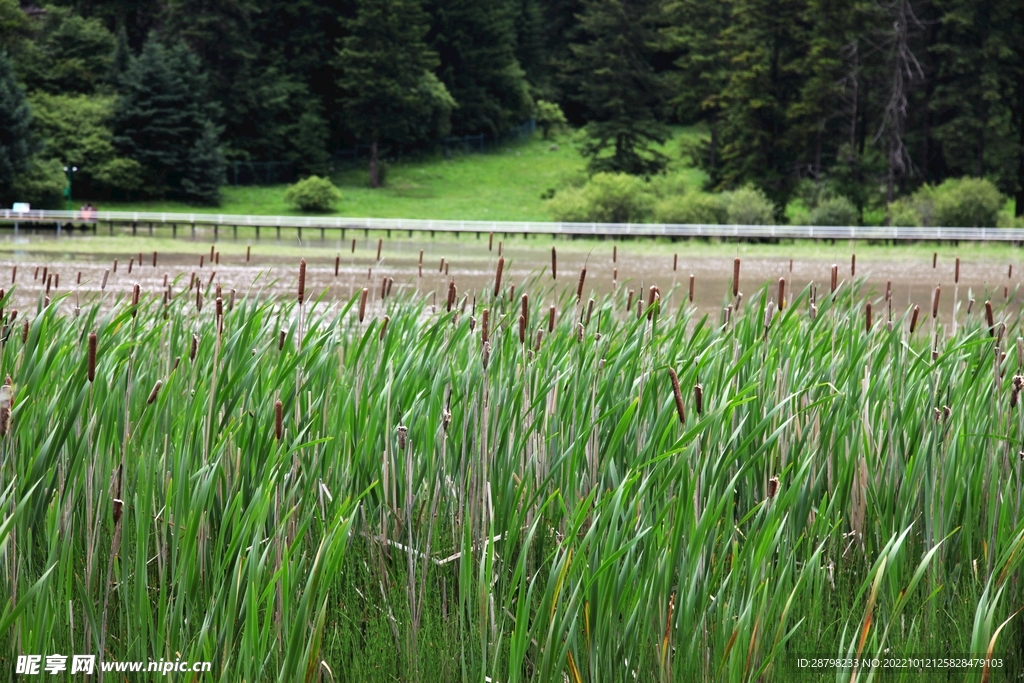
374,177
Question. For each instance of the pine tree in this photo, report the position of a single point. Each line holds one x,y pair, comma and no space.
204,169
15,128
619,88
389,94
162,113
476,43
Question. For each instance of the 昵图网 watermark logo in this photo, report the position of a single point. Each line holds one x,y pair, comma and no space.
36,665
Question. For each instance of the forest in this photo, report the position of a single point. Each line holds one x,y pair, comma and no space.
870,100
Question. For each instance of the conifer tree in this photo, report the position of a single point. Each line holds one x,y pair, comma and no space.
389,92
15,128
623,95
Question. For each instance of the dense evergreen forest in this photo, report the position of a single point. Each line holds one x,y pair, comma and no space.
869,98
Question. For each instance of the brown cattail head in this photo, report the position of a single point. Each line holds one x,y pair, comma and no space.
835,277
691,288
554,264
14,274
675,262
551,319
91,366
497,276
154,259
913,319
231,299
280,339
485,328
629,301
384,327
853,265
524,308
115,266
362,304
989,318
769,314
403,437
867,317
773,487
522,330
698,397
380,246
202,260
278,419
135,299
156,390
579,287
216,258
199,300
615,253
970,305
1009,272
782,293
302,281
383,287
452,294
736,276
337,264
24,332
590,311
791,265
935,258
248,252
220,308
888,290
678,395
579,333
131,262
536,344
935,301
615,275
485,354
956,271
490,242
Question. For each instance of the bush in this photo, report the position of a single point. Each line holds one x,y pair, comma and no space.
834,211
550,118
42,185
956,203
694,208
312,194
667,185
749,206
606,198
967,203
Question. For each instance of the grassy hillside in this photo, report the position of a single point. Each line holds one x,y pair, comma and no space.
504,184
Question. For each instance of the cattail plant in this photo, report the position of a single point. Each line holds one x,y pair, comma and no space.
384,327
956,271
698,397
485,354
194,348
522,330
691,287
380,246
590,311
131,262
216,258
615,253
867,317
551,319
24,332
579,287
629,301
835,277
154,392
14,274
579,333
525,308
280,339
935,258
6,399
337,264
103,284
853,265
782,293
736,276
302,281
135,299
913,319
485,325
91,362
451,295
678,395
278,419
353,246
888,290
248,252
1016,384
202,260
199,300
935,301
490,242
675,262
403,436
1009,271
115,266
391,281
539,338
362,304
769,314
773,487
384,288
497,276
554,264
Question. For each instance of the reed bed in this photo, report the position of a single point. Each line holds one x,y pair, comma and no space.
636,498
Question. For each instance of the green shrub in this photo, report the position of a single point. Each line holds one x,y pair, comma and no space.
42,185
667,185
550,118
120,173
834,211
903,213
1008,220
967,203
749,206
606,198
693,208
312,194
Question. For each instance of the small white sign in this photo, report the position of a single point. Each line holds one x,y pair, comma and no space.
21,207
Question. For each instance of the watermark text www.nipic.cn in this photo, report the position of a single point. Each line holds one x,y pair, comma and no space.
35,665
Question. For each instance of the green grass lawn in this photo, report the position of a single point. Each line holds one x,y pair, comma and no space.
504,185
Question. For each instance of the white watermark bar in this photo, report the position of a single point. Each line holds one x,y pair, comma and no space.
42,665
853,232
